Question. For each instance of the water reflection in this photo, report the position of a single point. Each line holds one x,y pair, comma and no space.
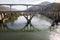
17,24
20,23
3,27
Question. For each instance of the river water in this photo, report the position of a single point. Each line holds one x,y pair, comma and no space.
39,21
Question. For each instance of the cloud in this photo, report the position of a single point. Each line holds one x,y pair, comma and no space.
25,1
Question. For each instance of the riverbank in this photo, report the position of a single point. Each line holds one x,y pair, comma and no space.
55,34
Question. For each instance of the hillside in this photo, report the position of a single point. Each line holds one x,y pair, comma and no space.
39,8
52,10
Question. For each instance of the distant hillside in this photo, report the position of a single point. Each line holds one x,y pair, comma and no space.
39,8
52,10
47,9
45,3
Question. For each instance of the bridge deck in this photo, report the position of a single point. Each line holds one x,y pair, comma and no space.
16,11
20,4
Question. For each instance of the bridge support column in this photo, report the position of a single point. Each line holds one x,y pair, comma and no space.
28,25
2,25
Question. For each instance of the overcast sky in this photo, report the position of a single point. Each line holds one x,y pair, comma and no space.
26,1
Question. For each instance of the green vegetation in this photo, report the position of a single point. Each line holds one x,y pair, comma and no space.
12,17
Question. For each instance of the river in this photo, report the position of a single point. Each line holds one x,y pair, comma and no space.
39,21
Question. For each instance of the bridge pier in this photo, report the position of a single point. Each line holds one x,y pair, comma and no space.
29,26
2,24
3,27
